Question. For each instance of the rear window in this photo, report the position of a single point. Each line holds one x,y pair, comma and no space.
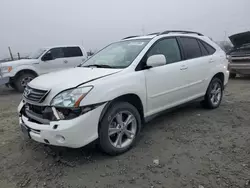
191,47
72,52
209,48
203,49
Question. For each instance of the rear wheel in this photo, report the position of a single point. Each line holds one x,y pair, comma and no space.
22,80
214,94
232,75
119,128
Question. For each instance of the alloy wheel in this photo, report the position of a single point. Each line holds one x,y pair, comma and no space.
122,129
215,94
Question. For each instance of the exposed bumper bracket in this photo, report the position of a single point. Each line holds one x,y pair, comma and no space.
37,117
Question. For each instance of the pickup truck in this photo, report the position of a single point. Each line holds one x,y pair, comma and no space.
239,56
17,74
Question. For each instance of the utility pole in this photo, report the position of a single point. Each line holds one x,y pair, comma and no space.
225,36
11,56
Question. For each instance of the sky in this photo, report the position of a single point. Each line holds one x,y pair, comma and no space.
27,25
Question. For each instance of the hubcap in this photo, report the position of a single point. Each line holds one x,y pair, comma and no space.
122,129
215,94
25,81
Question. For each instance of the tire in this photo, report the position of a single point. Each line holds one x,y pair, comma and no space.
12,85
110,130
211,102
232,75
22,80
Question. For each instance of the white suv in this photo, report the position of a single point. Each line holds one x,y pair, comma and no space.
111,95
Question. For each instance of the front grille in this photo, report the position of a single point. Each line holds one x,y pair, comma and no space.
36,95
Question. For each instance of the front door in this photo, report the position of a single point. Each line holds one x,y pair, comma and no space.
165,84
57,61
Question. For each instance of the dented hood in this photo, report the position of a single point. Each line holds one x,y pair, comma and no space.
240,39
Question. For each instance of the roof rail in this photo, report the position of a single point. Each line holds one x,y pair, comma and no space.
130,37
156,33
180,31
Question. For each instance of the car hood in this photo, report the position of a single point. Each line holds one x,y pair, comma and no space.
19,62
73,77
240,39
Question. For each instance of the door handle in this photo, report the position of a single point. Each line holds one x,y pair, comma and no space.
211,61
183,67
65,61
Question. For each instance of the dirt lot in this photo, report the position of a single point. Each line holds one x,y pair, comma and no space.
195,148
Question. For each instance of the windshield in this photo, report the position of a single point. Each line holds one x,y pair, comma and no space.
37,54
117,55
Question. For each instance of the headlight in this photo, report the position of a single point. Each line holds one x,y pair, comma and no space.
71,98
6,69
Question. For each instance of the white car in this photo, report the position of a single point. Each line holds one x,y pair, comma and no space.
111,95
18,73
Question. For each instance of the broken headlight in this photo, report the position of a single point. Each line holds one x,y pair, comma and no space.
71,97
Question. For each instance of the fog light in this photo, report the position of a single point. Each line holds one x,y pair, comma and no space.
60,138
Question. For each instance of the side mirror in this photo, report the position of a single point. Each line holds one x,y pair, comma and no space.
156,60
47,57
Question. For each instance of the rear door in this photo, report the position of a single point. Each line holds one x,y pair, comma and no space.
73,56
197,63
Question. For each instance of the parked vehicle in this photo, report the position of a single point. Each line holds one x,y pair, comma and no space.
18,73
240,55
111,95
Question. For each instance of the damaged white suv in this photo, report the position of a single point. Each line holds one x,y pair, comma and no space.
113,93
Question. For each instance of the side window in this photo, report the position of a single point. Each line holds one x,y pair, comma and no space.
209,48
56,53
191,47
204,51
167,47
72,52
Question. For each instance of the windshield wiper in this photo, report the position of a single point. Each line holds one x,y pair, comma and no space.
98,66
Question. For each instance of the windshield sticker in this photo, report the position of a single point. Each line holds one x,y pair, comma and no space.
135,43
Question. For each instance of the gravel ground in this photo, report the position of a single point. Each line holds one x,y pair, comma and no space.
188,147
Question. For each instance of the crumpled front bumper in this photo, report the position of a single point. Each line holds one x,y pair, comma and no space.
73,133
4,80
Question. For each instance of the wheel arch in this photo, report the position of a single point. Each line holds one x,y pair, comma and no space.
221,76
133,99
23,71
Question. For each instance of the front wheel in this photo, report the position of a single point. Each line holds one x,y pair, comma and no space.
119,128
214,94
22,81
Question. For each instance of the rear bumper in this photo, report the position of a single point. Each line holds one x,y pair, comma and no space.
4,80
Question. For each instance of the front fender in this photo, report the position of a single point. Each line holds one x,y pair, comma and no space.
110,88
20,68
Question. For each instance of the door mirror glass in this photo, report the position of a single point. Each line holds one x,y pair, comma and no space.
156,60
47,57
